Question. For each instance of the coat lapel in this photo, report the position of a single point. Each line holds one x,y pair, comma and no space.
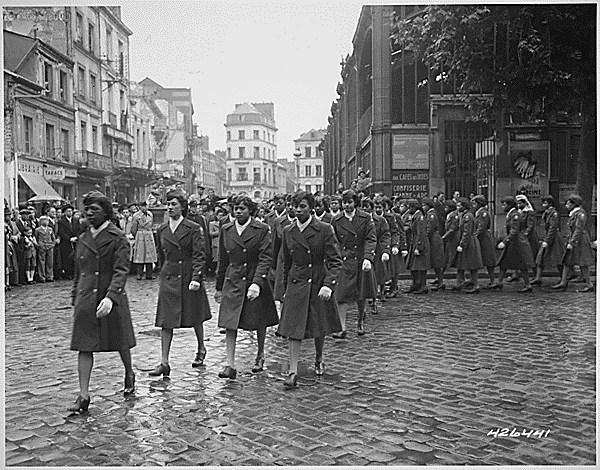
170,236
182,230
298,236
89,242
234,235
250,232
345,223
310,231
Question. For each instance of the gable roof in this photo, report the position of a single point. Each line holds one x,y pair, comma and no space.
245,108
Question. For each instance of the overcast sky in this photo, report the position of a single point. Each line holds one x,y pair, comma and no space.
228,53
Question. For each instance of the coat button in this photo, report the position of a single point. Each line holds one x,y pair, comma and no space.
94,290
310,265
344,259
180,262
245,264
243,279
308,252
310,280
179,275
96,273
244,250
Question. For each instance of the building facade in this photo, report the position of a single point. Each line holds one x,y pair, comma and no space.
221,186
406,125
252,150
39,120
309,162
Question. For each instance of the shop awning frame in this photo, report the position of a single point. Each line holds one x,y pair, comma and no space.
40,187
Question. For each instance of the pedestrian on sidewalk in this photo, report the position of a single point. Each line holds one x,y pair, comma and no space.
312,263
552,247
30,254
242,287
144,249
398,246
436,245
46,240
101,320
451,237
355,232
182,300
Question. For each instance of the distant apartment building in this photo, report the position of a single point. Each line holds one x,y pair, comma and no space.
309,164
287,182
221,186
252,150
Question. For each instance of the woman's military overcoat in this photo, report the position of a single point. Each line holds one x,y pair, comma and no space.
582,253
517,251
470,257
418,241
553,254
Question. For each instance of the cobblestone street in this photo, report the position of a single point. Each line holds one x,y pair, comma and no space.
425,386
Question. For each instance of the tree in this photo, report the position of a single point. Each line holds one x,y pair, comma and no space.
530,63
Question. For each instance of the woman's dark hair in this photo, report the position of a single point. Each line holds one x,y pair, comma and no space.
246,201
221,210
549,199
509,201
349,194
450,203
300,195
386,202
336,197
575,199
322,201
367,202
180,196
427,201
464,201
413,203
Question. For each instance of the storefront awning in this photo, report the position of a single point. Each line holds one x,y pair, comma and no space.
40,187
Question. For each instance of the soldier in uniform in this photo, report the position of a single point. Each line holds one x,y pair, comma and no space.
450,237
397,243
516,252
322,209
579,248
355,232
418,260
289,217
468,252
182,300
552,249
382,250
436,245
144,250
242,288
484,235
312,263
278,211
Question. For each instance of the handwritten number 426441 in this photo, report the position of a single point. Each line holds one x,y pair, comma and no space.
506,432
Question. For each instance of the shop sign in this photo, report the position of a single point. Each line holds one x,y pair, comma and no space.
70,173
530,162
410,152
54,173
27,167
410,184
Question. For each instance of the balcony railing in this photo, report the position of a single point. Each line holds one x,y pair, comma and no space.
93,161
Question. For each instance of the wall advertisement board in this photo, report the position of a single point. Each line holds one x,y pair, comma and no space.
410,152
410,184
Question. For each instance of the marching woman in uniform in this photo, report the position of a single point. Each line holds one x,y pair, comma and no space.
451,237
382,249
418,260
397,243
484,235
355,232
468,252
528,222
182,301
436,245
102,320
516,252
579,248
552,249
289,217
312,263
242,287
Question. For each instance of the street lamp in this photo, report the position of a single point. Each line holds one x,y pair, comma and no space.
297,155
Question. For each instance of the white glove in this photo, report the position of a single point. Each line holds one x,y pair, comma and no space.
104,307
395,250
366,265
73,239
501,245
459,249
417,252
325,293
253,291
218,296
404,253
194,285
385,257
544,245
569,246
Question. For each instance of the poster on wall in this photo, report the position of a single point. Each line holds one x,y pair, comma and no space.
410,152
410,184
530,163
